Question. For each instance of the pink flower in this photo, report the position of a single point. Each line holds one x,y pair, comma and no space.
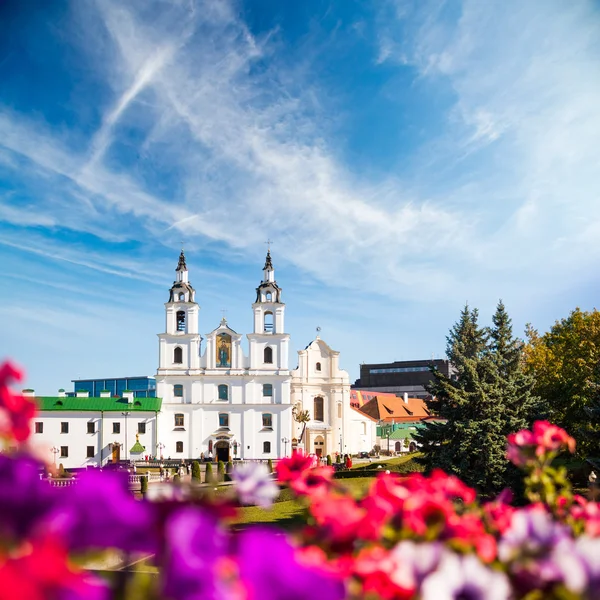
549,437
338,517
289,469
19,410
313,482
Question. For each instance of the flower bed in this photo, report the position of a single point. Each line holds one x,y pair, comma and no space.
409,536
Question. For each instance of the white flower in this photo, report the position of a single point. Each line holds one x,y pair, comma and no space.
254,485
464,577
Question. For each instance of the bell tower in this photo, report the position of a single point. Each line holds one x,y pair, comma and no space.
179,345
268,342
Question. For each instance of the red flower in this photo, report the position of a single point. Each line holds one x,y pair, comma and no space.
19,411
289,469
313,482
338,517
384,575
452,487
43,571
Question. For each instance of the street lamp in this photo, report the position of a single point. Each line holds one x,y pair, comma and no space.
126,414
160,448
54,451
285,443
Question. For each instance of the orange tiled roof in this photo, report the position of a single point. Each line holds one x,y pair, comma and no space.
358,398
392,408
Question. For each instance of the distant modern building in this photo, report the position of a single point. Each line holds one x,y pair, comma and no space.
410,376
142,387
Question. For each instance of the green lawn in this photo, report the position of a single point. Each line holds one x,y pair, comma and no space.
288,513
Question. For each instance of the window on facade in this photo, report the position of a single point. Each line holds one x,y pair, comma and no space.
268,296
318,366
116,427
223,392
39,427
91,427
181,297
268,355
266,447
364,428
210,445
267,390
178,391
178,446
64,427
178,355
318,409
339,411
179,420
223,420
267,419
90,452
141,427
269,322
180,320
64,451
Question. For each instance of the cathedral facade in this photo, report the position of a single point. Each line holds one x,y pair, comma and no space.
220,402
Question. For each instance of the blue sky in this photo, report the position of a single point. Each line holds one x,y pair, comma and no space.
405,157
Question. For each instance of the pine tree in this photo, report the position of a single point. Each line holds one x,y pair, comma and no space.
486,398
196,476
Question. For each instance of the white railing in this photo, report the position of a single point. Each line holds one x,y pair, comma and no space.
136,478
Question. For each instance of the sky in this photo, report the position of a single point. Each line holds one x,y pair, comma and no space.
404,157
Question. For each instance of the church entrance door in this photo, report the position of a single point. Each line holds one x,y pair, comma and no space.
222,450
319,446
116,453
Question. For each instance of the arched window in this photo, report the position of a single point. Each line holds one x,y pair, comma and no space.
318,366
268,355
178,446
223,420
180,320
267,390
223,392
268,297
181,297
179,420
318,409
268,322
178,391
398,446
178,355
266,447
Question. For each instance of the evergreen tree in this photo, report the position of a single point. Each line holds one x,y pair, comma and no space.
208,476
196,476
486,398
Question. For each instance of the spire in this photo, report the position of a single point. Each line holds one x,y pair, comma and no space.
181,266
268,263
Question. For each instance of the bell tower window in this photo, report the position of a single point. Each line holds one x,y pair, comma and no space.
269,322
318,366
178,355
182,297
268,355
268,297
180,320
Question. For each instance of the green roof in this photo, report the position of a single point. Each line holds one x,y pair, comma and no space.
137,447
98,404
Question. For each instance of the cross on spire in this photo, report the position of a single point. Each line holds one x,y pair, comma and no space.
223,312
268,243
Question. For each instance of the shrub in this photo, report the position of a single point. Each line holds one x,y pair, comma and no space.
221,470
143,485
228,470
196,475
270,465
208,476
338,458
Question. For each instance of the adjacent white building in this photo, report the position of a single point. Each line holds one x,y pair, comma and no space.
215,401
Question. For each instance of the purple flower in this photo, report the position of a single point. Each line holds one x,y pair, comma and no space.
99,511
254,485
532,532
195,559
541,553
588,550
464,577
270,570
24,498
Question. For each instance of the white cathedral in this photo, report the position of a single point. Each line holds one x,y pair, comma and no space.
219,402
